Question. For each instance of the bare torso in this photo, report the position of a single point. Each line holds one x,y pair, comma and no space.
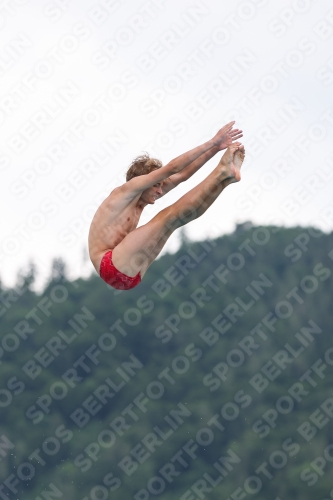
115,218
114,226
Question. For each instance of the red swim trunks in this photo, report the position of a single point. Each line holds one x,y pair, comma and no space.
115,278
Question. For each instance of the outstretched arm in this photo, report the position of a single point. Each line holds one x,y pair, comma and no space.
142,182
173,181
224,137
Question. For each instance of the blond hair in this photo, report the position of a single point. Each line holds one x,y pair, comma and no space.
142,165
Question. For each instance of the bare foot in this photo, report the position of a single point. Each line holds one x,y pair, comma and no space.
231,163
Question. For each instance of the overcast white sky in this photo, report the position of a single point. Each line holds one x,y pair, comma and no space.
86,86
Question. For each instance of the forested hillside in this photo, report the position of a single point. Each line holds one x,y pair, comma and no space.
212,379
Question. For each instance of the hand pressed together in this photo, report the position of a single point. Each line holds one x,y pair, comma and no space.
226,136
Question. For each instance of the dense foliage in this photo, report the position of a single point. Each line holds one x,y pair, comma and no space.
212,379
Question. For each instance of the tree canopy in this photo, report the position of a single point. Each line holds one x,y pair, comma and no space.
211,379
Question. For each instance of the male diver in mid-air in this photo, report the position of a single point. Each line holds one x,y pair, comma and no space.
120,251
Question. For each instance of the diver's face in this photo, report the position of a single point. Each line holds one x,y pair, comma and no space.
151,194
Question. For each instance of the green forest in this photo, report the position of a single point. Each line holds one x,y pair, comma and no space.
213,379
